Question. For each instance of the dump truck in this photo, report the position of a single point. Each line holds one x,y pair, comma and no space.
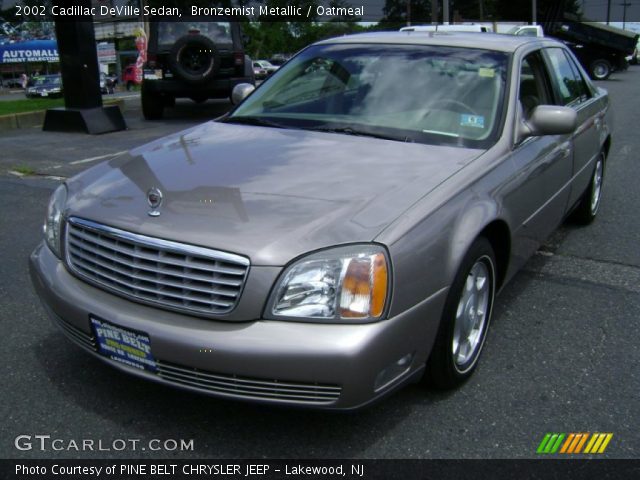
600,48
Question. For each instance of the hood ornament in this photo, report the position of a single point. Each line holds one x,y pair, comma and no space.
154,199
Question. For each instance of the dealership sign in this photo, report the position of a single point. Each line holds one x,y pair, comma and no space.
106,52
31,51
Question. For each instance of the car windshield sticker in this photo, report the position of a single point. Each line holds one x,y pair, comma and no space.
475,121
487,72
124,346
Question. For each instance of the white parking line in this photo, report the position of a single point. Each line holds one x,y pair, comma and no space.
99,157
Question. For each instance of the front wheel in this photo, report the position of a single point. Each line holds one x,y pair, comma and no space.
465,320
600,69
587,209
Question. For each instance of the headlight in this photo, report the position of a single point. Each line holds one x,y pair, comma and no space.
52,223
341,284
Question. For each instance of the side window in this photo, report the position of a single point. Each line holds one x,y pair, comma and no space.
533,83
581,86
569,88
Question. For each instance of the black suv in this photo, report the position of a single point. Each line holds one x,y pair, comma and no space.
196,60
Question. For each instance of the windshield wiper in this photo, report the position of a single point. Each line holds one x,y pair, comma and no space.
252,120
361,133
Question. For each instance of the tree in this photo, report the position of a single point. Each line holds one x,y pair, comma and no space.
398,13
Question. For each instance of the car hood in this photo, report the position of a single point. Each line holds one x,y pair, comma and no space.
270,194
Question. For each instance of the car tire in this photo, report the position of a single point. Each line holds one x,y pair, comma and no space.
600,69
465,319
194,58
589,203
152,104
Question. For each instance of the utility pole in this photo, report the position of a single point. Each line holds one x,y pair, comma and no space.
608,11
408,13
624,13
445,12
534,12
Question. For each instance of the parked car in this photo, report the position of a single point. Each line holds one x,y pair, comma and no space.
262,69
12,82
198,60
106,83
45,86
259,72
395,194
279,59
129,77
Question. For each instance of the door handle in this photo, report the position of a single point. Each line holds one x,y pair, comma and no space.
565,150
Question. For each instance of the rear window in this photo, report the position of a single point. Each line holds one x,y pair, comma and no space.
169,32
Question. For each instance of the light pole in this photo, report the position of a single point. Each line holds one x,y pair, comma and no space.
534,12
624,13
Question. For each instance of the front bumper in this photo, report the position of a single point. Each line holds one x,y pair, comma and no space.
216,88
279,362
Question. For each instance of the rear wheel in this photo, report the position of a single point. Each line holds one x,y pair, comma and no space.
152,104
465,320
587,209
600,69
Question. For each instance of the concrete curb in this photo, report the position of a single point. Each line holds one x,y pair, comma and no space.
36,118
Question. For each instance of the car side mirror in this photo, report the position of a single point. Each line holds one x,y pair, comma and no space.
240,92
549,120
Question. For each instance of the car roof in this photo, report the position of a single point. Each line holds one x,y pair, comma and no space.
487,41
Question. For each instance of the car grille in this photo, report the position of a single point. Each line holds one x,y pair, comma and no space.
171,275
216,383
310,393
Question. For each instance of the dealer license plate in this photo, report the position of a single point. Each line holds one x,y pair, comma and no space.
123,345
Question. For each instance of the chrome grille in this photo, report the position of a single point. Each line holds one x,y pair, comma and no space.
172,275
253,388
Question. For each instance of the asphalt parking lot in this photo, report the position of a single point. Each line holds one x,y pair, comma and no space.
562,353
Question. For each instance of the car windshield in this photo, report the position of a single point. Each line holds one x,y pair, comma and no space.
169,32
420,93
54,79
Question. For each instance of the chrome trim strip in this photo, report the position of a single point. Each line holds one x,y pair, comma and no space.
161,244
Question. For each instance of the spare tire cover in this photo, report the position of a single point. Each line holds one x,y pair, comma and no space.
194,58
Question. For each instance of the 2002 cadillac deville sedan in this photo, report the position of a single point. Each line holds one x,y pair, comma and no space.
342,230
